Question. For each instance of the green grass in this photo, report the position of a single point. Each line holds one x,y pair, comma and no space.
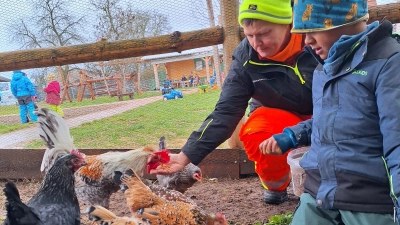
6,128
174,119
8,109
14,109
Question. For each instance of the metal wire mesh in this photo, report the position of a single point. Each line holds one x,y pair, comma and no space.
92,89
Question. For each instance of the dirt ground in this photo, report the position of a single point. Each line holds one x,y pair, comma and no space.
239,200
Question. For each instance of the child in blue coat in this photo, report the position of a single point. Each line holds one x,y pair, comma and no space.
23,90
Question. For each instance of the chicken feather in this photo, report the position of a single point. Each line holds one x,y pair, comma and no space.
140,200
167,194
55,133
102,215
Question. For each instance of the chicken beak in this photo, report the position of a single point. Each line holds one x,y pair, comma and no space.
197,177
83,163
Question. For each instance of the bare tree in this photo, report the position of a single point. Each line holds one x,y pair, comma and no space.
52,25
119,22
200,11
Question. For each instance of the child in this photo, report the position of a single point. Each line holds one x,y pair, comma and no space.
353,165
53,94
23,90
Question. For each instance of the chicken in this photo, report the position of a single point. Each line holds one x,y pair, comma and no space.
54,203
103,215
55,133
167,194
141,200
182,180
94,183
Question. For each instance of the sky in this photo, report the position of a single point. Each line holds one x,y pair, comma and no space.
381,2
184,15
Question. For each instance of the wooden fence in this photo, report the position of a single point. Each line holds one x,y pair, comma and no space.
221,163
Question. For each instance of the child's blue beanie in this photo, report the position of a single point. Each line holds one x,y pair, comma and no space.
313,15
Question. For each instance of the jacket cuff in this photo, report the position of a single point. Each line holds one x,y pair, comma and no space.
292,137
284,142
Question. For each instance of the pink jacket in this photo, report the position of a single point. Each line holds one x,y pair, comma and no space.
53,93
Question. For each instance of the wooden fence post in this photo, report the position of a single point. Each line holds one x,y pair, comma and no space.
229,11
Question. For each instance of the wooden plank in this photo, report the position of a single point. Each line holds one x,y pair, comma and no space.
246,167
104,86
389,11
25,163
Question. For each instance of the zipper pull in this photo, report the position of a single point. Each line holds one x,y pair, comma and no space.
394,214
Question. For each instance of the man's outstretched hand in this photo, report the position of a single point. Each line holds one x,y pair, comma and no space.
175,164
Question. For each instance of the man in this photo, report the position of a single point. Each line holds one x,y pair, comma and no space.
23,90
352,166
270,67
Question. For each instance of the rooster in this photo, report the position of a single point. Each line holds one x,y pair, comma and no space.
94,183
55,133
54,203
182,180
141,201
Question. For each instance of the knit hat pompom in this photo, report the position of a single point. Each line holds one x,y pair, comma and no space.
274,11
51,77
312,16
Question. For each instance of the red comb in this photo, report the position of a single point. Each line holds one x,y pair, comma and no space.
160,157
77,153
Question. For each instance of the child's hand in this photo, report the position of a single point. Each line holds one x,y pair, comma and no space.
270,147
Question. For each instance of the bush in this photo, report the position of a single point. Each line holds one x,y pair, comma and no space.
283,219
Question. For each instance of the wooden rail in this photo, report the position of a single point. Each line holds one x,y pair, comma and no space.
221,163
105,51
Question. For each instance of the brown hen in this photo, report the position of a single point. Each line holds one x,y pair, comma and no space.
102,216
141,200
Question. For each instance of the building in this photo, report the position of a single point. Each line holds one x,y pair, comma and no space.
186,63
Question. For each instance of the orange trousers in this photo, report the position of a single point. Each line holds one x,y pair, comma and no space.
273,170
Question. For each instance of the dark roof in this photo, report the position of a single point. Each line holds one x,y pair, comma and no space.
3,79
